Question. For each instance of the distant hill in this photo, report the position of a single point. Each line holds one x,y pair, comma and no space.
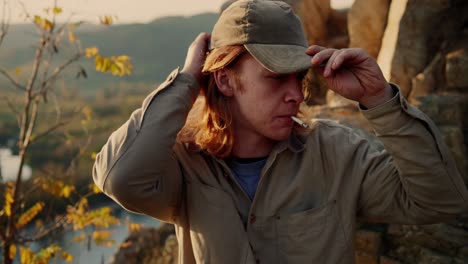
155,48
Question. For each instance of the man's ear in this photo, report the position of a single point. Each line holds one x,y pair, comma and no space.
222,79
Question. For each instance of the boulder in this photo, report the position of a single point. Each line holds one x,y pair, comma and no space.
314,15
456,69
148,246
366,24
424,29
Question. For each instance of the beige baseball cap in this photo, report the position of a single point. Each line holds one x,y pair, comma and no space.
268,29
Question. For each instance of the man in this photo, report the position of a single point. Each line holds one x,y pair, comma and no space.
242,182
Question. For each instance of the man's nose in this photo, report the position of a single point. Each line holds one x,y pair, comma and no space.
294,92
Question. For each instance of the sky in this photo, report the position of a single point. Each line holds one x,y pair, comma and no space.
139,11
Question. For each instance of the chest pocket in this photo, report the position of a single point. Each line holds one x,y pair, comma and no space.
309,236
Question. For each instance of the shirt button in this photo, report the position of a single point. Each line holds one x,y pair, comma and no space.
252,219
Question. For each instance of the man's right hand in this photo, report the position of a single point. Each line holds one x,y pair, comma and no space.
196,57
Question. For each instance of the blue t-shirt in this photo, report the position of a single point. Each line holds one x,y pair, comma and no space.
247,172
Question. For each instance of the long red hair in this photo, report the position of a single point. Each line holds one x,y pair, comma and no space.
208,126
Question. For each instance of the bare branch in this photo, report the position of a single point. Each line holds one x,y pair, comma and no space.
13,109
54,127
5,23
59,70
81,152
31,124
2,233
44,232
36,65
48,131
13,81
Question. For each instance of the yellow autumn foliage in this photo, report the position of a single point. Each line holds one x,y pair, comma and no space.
8,198
29,215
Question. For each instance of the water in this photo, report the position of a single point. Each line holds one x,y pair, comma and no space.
96,254
9,165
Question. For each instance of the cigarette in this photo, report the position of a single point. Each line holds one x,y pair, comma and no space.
300,122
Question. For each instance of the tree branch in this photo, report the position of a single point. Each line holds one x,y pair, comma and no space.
2,233
5,24
59,70
31,124
15,83
13,109
53,128
42,233
36,65
48,131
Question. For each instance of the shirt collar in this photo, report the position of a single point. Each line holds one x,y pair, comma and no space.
295,143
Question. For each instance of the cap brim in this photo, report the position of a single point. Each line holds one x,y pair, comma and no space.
281,59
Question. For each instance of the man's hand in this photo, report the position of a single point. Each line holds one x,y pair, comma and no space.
353,74
196,57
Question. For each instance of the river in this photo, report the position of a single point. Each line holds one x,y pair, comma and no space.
96,254
9,165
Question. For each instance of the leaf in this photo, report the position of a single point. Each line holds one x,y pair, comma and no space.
44,255
8,198
134,227
66,191
107,20
93,157
56,187
80,217
29,215
18,71
12,252
88,112
67,257
26,255
79,238
103,238
57,10
38,20
119,65
91,52
43,23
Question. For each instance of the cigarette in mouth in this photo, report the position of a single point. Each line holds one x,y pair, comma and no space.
300,122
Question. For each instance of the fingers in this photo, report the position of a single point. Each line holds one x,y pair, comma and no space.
332,59
312,50
196,56
201,43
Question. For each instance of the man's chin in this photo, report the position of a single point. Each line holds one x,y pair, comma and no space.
281,134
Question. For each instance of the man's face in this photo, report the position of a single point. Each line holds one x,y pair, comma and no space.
265,102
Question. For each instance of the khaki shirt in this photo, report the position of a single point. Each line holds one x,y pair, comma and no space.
312,188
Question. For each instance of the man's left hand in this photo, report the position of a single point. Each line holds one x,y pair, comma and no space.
353,74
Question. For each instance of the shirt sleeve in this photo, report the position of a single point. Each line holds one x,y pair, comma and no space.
137,167
415,179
